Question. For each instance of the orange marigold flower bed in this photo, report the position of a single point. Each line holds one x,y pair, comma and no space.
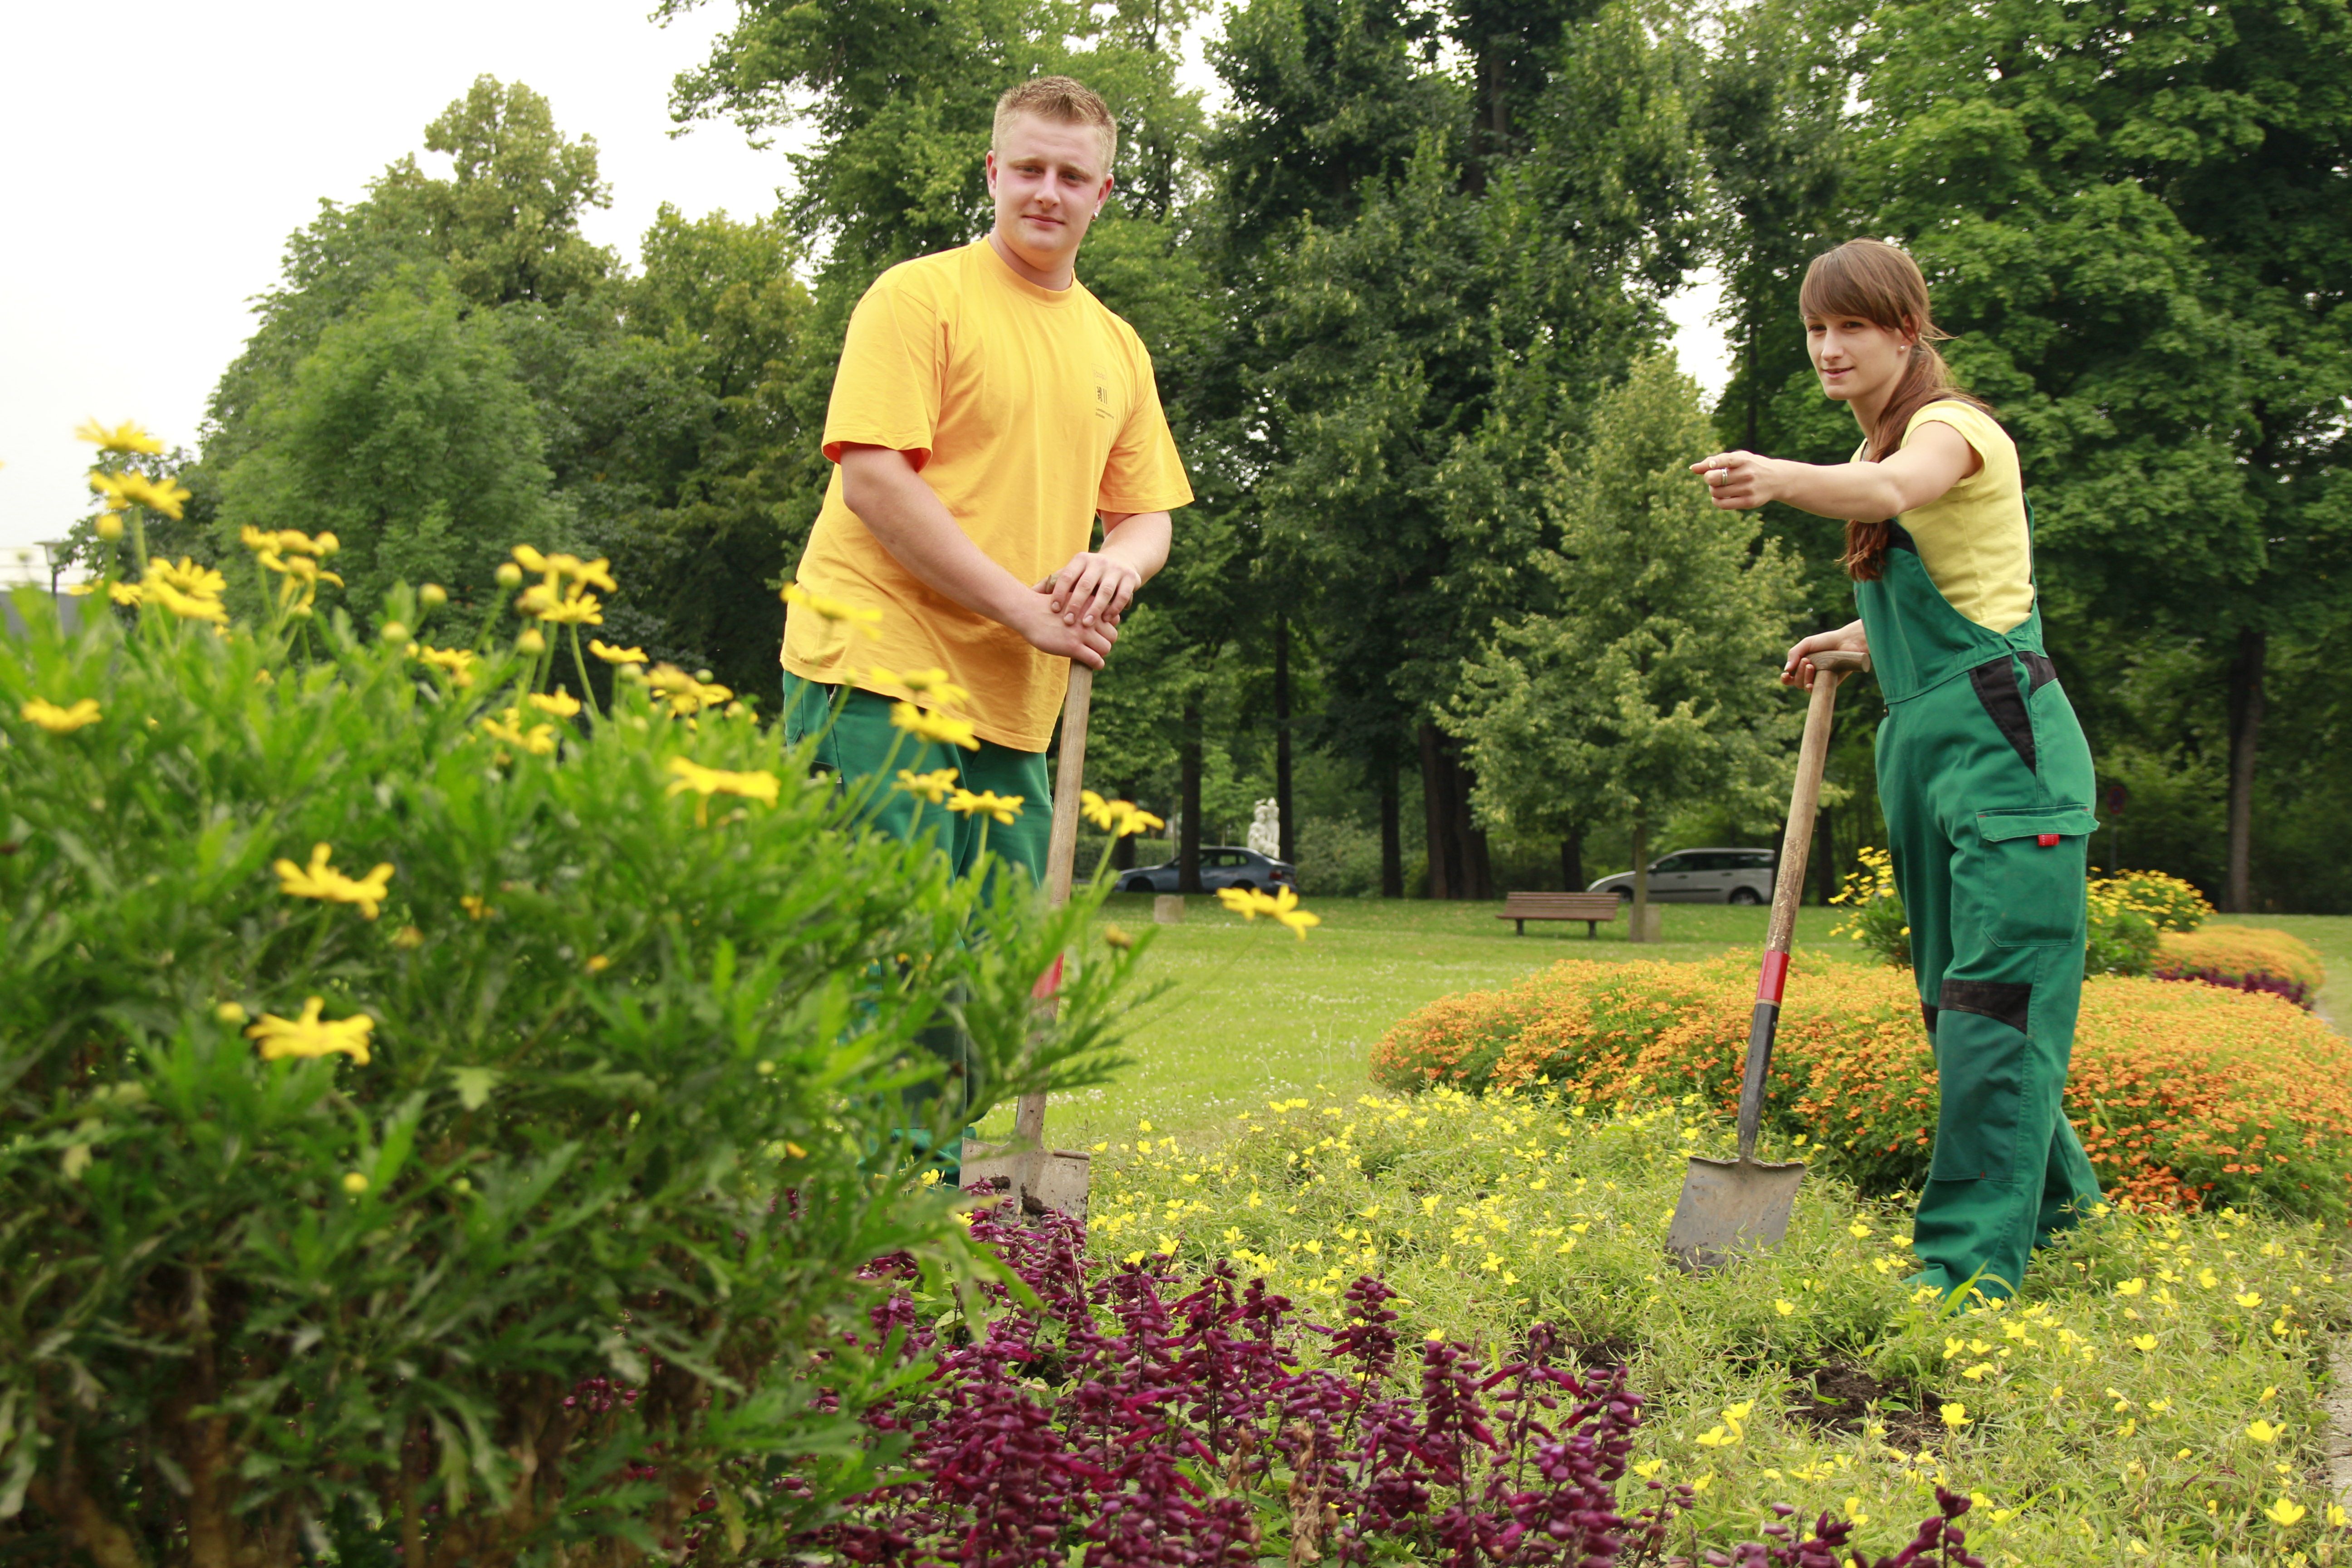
2245,958
2183,1095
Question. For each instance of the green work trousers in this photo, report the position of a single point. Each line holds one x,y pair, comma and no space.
1994,893
1987,782
859,743
862,744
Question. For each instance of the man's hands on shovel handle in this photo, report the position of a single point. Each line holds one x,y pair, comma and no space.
911,521
1800,670
1091,594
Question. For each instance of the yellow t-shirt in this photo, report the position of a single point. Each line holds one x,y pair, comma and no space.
1027,411
1973,539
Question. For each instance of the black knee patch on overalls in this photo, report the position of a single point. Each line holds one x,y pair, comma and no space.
1999,1000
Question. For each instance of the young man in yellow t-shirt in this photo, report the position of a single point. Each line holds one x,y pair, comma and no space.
986,410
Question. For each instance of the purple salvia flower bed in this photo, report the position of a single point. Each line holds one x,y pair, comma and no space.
1140,1430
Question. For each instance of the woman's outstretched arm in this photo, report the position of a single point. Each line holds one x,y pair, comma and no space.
1936,458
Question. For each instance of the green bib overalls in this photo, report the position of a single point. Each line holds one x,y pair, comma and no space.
1987,784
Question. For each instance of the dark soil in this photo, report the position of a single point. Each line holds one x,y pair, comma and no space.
1840,1396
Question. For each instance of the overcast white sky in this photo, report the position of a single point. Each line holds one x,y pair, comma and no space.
142,219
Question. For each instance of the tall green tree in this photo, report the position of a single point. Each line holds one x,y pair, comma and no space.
1649,686
2140,222
1422,360
408,434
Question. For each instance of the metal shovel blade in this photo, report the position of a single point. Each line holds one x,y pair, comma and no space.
1730,1206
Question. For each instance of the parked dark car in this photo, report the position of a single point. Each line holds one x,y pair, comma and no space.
1222,866
1703,877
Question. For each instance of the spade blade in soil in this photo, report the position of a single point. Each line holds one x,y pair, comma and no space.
1730,1206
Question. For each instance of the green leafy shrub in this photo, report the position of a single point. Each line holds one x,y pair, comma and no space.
505,1199
2245,958
2183,1095
2126,912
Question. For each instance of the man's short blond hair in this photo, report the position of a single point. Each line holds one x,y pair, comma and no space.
1063,101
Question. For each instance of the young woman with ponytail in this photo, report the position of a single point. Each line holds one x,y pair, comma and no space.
1983,773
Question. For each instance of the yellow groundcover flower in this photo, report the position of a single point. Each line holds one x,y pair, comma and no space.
937,728
312,1036
865,620
60,721
126,436
1003,808
1281,907
933,786
612,655
322,881
562,704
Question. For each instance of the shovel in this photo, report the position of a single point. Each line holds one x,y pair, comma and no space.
1038,1178
1729,1207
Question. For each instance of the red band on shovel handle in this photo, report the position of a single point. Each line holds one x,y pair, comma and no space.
1775,976
1048,983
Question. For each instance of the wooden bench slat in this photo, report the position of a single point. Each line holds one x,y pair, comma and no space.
1589,908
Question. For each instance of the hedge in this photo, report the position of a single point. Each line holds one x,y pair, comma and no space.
2183,1095
2243,958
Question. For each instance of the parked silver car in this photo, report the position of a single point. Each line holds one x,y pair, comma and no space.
1703,877
1222,866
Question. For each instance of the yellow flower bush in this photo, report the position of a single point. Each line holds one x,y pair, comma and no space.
284,1305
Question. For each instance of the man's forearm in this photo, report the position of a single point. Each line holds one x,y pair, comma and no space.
1140,540
906,517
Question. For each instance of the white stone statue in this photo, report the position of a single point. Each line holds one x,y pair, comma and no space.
1265,830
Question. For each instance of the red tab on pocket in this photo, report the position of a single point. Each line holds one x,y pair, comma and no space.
2048,841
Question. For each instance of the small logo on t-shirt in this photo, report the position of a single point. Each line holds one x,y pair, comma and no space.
1102,394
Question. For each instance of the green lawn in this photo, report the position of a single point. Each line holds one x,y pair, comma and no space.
1251,1014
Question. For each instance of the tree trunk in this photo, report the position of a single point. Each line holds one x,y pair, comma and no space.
1572,859
1286,818
2245,734
1459,865
1391,833
1122,848
1826,858
1188,845
1641,931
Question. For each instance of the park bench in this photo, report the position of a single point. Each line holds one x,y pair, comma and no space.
1589,908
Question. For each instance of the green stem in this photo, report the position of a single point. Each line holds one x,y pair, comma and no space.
587,692
138,540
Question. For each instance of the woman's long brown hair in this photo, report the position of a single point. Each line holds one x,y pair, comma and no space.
1870,280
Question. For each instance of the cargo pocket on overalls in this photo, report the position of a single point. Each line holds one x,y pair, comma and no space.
2032,866
2022,883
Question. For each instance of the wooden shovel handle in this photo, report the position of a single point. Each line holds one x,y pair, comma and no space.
1789,885
1797,840
1061,852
